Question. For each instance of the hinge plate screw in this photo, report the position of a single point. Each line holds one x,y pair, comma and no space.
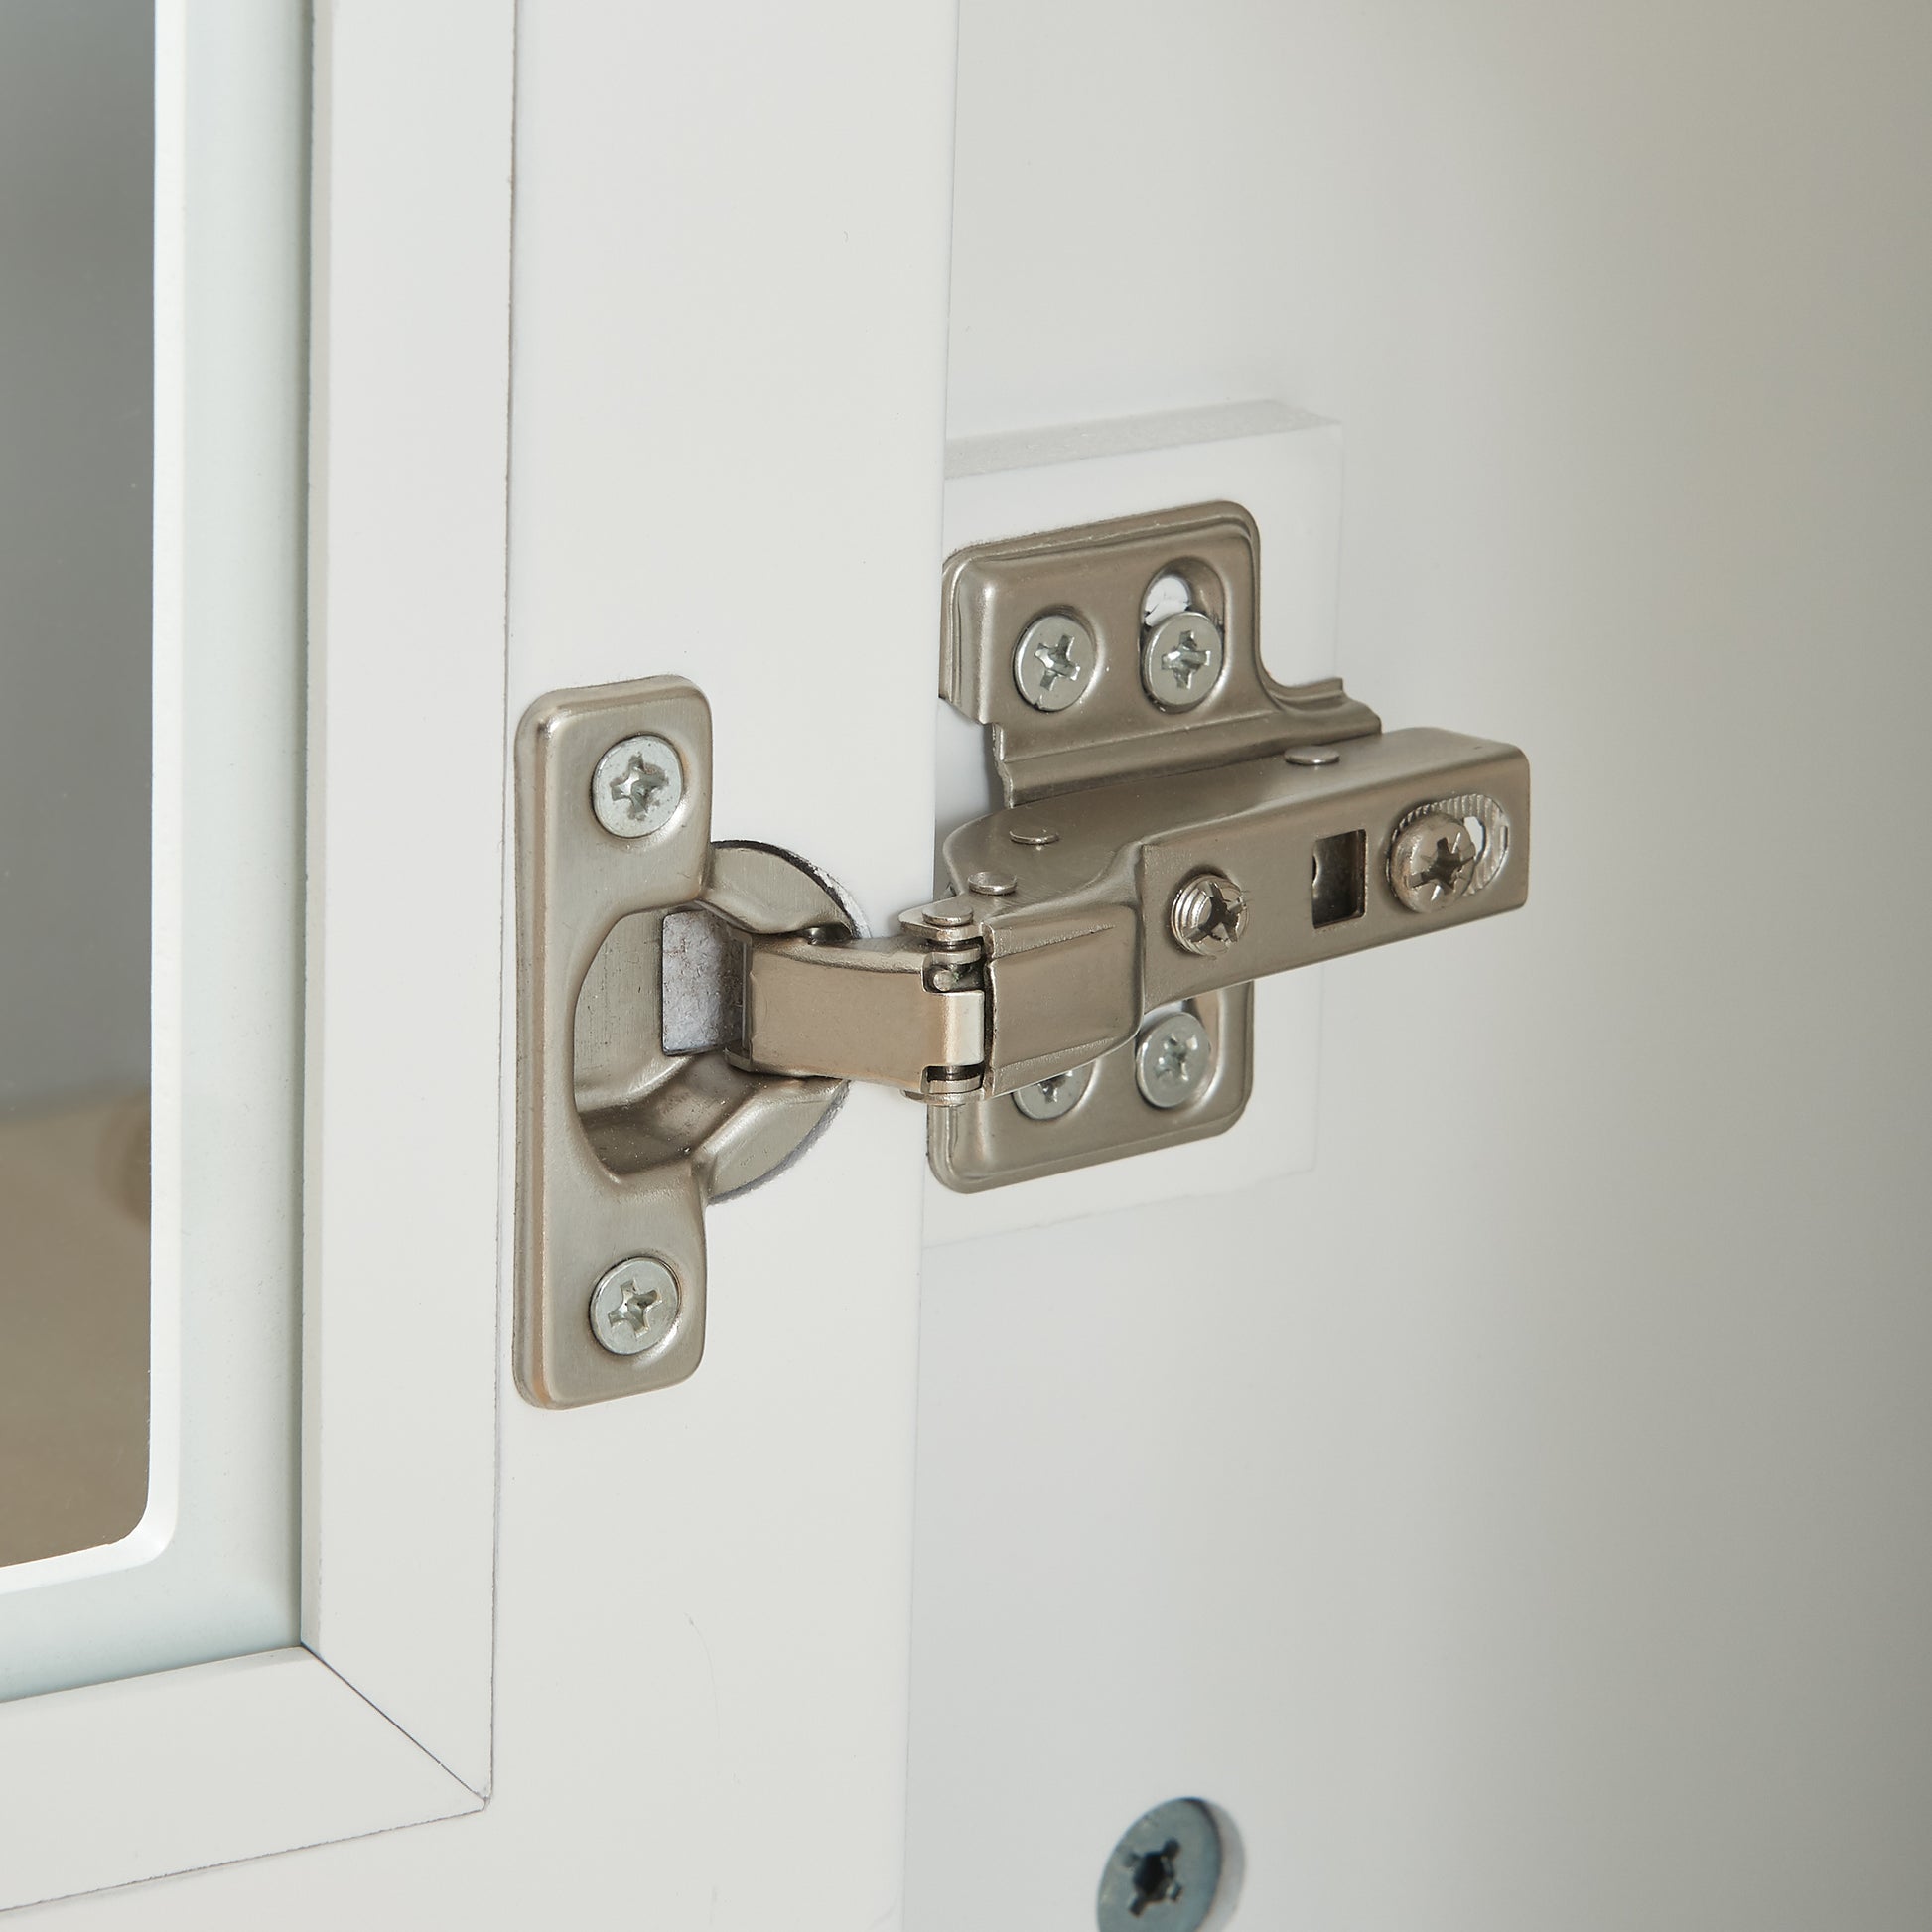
634,1306
1051,1099
1181,660
1451,849
1207,913
1054,662
1173,1060
638,786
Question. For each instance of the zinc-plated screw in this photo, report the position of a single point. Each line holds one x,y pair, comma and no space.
638,785
1055,661
1450,849
1173,1060
1181,660
1207,913
634,1306
1430,861
1165,1874
1050,1099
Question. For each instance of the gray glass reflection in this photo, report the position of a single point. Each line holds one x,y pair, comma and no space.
76,137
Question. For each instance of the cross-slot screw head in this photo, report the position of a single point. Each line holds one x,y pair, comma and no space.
638,786
1054,664
1208,913
1181,660
1165,1874
1434,856
634,1306
1173,1060
1052,1098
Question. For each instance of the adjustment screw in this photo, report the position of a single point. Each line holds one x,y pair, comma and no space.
1451,849
1207,913
1050,1099
1054,662
1164,1874
636,787
1173,1060
1181,660
634,1306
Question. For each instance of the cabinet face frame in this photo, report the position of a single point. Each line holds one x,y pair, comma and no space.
381,1715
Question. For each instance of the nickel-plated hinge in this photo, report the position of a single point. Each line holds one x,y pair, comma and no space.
1174,826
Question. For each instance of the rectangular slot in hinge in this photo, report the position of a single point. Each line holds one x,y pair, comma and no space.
1340,883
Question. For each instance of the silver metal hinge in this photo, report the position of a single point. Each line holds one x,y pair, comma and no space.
1174,826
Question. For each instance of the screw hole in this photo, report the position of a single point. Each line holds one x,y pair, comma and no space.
1167,596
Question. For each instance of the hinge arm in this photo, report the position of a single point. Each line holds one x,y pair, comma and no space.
991,992
898,1011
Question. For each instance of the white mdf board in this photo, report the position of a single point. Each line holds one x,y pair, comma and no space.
195,1767
384,1719
405,1146
729,452
728,461
1565,1560
1283,466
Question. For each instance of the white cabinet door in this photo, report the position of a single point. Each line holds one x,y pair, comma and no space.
729,298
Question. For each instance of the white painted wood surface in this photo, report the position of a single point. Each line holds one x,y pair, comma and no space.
727,461
195,1767
154,1774
409,413
1518,1521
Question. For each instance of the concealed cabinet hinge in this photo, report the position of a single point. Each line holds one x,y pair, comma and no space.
1175,827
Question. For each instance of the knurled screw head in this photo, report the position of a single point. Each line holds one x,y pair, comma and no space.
638,786
634,1306
1054,662
1207,913
1055,1097
1431,860
1181,660
1173,1060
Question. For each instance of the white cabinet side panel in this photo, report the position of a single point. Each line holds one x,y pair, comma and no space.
1518,1520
